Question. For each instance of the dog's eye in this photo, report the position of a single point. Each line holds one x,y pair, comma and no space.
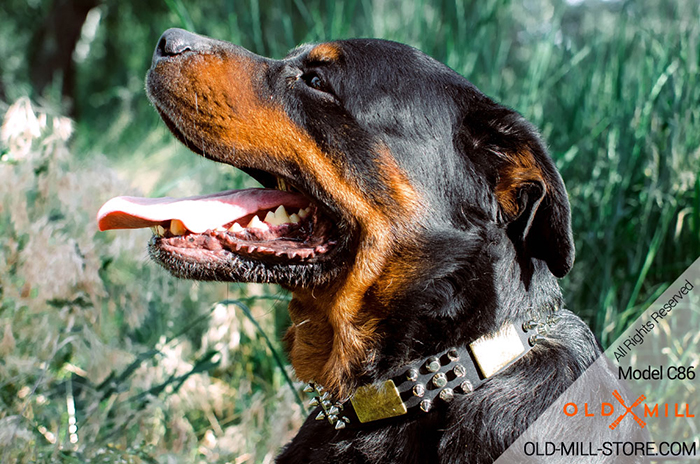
315,82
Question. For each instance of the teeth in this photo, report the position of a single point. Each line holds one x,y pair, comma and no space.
280,216
177,227
282,184
271,218
236,227
304,212
158,231
294,218
256,223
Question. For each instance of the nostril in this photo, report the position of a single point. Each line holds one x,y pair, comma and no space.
175,42
160,48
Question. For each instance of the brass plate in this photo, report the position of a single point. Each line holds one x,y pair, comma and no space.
494,352
374,402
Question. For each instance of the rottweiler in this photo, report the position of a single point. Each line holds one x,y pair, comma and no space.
419,225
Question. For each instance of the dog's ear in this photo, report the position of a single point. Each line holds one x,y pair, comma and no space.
533,200
530,192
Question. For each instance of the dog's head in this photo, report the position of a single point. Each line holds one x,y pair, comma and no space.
393,171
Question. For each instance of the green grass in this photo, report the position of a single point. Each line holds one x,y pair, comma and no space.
161,369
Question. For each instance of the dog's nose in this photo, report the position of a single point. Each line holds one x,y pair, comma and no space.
178,41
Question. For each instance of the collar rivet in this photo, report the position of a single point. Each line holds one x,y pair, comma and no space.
439,380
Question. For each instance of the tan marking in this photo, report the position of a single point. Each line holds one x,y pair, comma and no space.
333,332
326,52
522,169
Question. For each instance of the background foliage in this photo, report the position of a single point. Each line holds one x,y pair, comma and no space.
106,358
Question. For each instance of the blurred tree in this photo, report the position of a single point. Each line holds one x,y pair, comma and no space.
53,45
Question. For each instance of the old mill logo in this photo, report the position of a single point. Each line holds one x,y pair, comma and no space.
571,409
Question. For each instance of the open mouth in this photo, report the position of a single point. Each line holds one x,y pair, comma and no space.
275,225
279,233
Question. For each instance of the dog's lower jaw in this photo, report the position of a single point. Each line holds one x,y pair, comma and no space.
229,267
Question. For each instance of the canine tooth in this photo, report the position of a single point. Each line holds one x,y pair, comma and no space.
294,218
256,223
282,184
303,213
177,227
236,227
160,231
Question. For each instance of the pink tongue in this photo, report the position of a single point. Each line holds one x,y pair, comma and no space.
199,213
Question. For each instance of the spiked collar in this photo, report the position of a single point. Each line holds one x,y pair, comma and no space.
417,387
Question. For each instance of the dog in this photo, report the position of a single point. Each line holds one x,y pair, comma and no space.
420,226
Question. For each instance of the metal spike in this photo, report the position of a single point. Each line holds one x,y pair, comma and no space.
412,374
453,354
332,419
432,364
425,405
333,410
321,416
326,404
459,370
529,325
309,388
419,390
466,386
313,402
339,425
535,339
553,319
447,395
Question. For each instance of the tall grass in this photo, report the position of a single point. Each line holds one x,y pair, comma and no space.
152,369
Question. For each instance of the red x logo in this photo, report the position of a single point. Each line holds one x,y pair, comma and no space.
641,423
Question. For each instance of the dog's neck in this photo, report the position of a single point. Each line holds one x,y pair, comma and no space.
335,344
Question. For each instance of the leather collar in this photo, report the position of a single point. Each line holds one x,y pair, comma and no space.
417,387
